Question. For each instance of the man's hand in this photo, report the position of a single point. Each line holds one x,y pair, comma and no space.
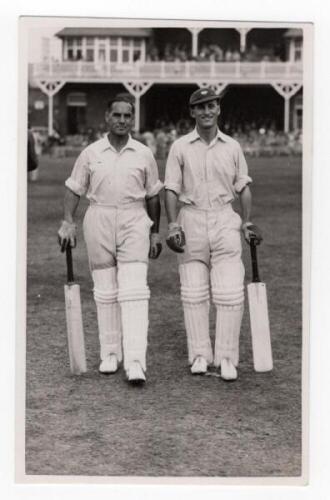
176,238
67,235
251,231
155,246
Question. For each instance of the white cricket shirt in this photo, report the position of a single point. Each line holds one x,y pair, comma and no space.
109,177
206,175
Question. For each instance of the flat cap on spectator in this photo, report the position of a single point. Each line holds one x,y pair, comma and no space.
202,95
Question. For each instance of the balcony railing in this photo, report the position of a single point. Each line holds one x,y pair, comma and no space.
162,71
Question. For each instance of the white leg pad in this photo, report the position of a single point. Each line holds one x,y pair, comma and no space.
194,277
108,312
228,296
133,296
228,326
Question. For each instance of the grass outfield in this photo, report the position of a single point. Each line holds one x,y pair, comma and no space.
177,424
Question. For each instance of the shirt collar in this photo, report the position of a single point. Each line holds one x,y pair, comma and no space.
194,136
105,144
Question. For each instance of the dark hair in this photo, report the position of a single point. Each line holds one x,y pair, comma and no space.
122,97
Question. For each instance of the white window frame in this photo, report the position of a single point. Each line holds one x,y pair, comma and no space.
106,43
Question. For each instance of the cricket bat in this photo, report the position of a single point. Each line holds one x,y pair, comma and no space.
259,321
76,343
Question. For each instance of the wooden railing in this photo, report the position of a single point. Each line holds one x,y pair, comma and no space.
171,72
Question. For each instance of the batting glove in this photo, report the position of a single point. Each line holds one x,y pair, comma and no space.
251,231
155,246
176,239
67,235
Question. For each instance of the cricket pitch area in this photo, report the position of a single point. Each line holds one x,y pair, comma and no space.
176,425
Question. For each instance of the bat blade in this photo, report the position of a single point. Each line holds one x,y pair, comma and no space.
260,332
76,342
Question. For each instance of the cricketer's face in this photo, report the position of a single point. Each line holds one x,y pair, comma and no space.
206,114
120,118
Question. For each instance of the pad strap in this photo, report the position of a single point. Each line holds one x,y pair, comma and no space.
228,297
195,295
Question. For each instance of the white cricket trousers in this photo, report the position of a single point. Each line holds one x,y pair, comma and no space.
212,260
117,240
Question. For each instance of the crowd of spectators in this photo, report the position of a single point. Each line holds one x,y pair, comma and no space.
211,52
257,138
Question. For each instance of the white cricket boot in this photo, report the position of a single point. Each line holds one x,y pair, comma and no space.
109,364
199,366
135,374
228,370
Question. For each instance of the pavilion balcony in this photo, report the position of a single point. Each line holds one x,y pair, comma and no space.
169,72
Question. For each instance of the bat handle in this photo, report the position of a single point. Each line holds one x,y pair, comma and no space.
254,260
69,265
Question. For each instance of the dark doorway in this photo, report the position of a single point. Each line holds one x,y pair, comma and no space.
76,117
166,105
251,106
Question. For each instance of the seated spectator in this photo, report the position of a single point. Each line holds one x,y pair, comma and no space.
219,54
252,54
228,55
168,53
236,56
203,54
150,141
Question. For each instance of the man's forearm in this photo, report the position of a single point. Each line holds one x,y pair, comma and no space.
153,210
246,204
71,202
171,201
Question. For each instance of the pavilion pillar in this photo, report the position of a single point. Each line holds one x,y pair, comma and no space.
137,90
286,90
50,88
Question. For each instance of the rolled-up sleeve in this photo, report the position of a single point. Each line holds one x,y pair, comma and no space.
173,172
78,182
152,183
242,178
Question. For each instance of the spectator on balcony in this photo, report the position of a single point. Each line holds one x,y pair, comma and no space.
252,54
218,53
177,53
152,53
228,55
236,55
168,53
184,53
204,53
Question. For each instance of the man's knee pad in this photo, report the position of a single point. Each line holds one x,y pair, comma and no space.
132,282
194,280
190,296
228,297
105,285
228,284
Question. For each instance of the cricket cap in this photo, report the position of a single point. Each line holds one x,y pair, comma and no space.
202,95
